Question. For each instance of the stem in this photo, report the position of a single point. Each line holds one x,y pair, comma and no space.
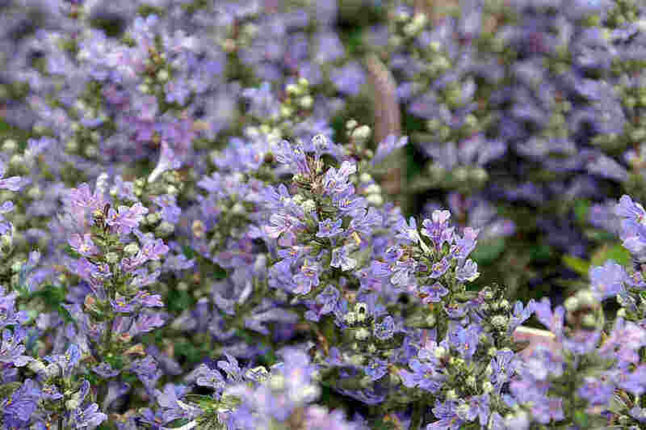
418,415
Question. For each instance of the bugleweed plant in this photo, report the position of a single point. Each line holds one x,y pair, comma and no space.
194,232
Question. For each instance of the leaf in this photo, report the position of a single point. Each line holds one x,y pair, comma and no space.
579,265
614,252
581,210
486,253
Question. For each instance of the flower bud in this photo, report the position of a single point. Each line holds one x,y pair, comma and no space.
131,249
361,133
362,334
309,205
164,229
350,318
9,145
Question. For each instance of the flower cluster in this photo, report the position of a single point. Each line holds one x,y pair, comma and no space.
195,229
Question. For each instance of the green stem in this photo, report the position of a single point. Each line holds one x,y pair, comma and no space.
418,415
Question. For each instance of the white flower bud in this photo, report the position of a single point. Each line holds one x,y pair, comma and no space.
16,160
131,249
286,111
72,145
238,209
361,133
440,352
308,205
164,229
276,382
37,367
91,151
362,334
306,102
112,257
153,218
350,317
375,199
34,193
163,75
9,145
351,124
373,189
74,402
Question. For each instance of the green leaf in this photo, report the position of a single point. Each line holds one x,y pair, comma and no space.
541,253
487,252
581,210
614,252
579,265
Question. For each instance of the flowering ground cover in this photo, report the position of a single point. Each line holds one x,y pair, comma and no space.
322,214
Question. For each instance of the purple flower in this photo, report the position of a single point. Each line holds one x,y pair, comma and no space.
548,409
447,414
503,367
433,293
633,382
608,280
465,340
12,348
120,305
89,417
307,277
341,260
169,210
407,231
18,408
281,223
520,314
476,407
388,145
145,299
207,377
12,184
437,228
385,329
83,244
104,370
422,375
438,269
126,218
633,227
327,228
349,79
467,271
328,299
5,227
596,391
624,342
551,320
152,250
146,323
336,181
466,244
376,369
8,314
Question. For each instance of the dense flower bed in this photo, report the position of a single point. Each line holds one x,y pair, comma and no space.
221,214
